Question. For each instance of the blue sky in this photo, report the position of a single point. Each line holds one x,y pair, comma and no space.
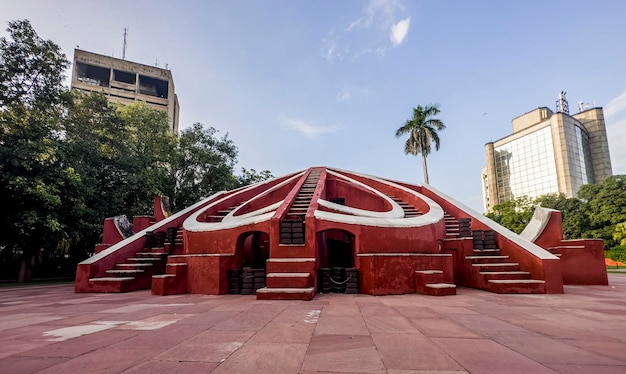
305,83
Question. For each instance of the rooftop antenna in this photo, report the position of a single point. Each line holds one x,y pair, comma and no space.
124,49
561,103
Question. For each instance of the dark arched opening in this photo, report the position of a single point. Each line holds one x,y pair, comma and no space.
253,250
336,256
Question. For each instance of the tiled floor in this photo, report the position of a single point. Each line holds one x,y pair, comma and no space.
51,329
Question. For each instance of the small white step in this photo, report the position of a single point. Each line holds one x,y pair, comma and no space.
493,257
440,285
114,271
164,276
504,273
429,271
498,264
516,281
288,275
134,265
111,279
291,260
284,290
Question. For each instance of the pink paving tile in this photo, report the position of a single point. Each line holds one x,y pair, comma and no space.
290,332
550,351
264,358
164,338
411,312
486,325
343,353
11,347
378,310
412,352
166,367
80,345
21,365
608,348
389,324
209,346
207,319
446,310
105,360
348,325
485,356
425,372
443,328
586,369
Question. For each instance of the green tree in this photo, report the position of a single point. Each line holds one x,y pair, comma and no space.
574,213
422,129
202,164
514,215
150,146
606,207
34,178
251,176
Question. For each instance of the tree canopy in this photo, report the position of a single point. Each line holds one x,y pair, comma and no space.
422,129
598,212
68,160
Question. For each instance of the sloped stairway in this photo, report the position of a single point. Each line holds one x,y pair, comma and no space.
136,272
289,277
491,271
409,210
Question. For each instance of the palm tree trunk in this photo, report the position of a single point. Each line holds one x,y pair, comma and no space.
425,169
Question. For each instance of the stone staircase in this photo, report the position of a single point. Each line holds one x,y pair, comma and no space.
409,210
137,272
491,271
290,277
431,282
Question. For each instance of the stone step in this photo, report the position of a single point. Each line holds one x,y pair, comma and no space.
288,280
505,275
440,289
291,265
124,272
267,293
516,286
117,284
503,266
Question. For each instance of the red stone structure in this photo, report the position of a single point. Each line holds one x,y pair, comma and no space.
328,230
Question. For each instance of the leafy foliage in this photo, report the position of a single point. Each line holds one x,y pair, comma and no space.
422,129
598,212
69,160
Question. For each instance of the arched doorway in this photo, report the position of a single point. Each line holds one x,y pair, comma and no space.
253,250
336,258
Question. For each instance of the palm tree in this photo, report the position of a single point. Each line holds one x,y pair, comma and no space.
422,129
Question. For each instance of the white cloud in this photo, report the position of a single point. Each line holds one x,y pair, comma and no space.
369,34
615,106
615,118
399,31
350,91
309,129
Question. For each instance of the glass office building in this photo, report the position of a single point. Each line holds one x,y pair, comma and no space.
547,153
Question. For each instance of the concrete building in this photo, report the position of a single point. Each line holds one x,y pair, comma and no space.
125,81
548,152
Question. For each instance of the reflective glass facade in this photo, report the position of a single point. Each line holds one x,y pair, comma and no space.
579,157
526,166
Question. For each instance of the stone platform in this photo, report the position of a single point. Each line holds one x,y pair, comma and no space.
50,329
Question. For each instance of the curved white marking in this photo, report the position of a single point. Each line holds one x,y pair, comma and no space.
230,220
395,212
434,214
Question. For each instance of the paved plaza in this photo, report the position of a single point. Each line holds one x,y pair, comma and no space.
50,329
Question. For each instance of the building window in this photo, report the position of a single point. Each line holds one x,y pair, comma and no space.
526,166
152,86
93,75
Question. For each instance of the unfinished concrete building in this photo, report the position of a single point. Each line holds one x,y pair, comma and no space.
124,82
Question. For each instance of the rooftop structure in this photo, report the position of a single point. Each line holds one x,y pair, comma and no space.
548,152
322,230
125,82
